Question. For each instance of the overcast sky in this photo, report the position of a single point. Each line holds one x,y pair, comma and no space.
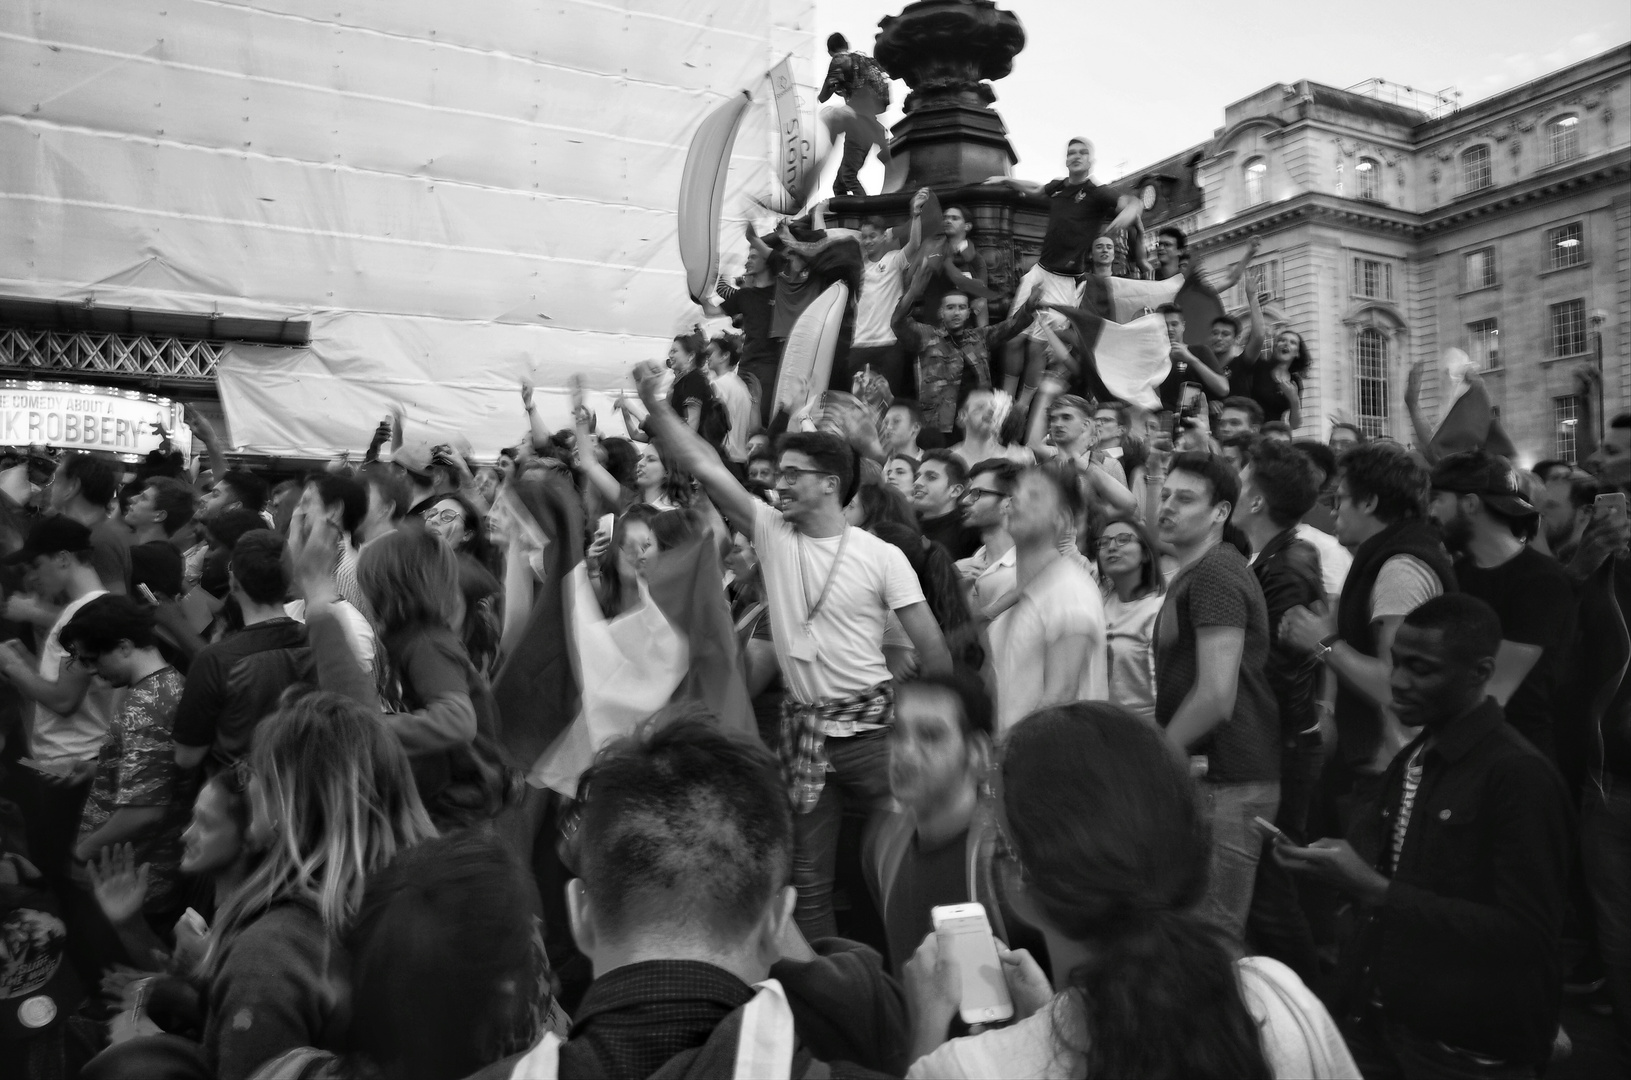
1146,80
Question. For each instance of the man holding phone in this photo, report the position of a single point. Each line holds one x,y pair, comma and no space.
1459,867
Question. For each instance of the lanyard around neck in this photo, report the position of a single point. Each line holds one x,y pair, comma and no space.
811,610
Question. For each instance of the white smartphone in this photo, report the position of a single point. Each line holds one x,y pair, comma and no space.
965,929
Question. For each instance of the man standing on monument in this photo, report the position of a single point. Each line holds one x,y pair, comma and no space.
1078,211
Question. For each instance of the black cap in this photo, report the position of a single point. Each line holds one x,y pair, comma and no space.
52,536
1488,476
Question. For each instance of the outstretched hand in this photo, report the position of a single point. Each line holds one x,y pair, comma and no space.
648,377
118,883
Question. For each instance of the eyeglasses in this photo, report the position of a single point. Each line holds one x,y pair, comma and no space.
1117,540
790,473
974,494
446,517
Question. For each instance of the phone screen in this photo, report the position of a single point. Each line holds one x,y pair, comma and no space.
1611,506
985,991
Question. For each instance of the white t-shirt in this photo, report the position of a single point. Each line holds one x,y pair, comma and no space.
1334,558
1299,1037
1061,601
359,632
882,285
1403,584
843,653
1129,639
77,736
988,581
738,401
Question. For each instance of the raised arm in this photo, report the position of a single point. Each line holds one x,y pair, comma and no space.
212,442
914,238
693,454
1048,387
1240,267
1129,212
1253,345
1030,187
1418,422
593,471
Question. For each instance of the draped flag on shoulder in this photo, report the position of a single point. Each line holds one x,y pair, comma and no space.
1131,359
1468,421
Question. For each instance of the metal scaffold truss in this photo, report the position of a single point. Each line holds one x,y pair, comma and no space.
130,356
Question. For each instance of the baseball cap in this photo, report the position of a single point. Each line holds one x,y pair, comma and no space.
51,536
1489,476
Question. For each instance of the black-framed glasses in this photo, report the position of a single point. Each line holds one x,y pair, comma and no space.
1116,540
790,473
445,517
975,493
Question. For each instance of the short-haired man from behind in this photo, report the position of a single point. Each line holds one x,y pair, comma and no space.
1212,694
235,683
682,903
1277,488
1459,867
931,848
1486,523
82,489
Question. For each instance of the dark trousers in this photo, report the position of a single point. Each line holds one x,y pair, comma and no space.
1605,839
1385,1050
1276,925
858,776
765,371
848,180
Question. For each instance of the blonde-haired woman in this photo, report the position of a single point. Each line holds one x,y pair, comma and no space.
331,803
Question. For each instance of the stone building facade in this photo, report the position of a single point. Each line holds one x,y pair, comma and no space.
1395,226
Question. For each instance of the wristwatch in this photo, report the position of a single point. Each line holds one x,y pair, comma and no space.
1326,647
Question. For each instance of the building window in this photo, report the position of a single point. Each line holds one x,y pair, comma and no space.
1256,171
1562,140
1261,278
1371,346
1480,269
1484,344
1370,179
1373,278
1475,170
1565,419
1566,246
1569,328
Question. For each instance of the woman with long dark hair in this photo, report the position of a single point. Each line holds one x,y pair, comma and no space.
1105,850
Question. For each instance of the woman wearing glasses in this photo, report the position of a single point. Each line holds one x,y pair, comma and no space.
457,522
1105,850
1134,589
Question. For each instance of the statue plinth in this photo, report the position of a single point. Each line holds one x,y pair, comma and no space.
950,138
945,50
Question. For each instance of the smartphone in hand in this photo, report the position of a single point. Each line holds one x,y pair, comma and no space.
965,930
1610,506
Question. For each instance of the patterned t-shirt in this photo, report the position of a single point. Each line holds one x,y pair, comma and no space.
137,767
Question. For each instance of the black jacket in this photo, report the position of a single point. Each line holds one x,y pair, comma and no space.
1464,949
1288,569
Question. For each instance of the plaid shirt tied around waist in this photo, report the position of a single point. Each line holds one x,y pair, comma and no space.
805,729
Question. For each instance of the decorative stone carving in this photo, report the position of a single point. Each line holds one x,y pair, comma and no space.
946,49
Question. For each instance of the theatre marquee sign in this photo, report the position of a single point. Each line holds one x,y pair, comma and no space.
75,416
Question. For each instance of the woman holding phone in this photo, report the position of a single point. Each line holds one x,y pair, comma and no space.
1104,848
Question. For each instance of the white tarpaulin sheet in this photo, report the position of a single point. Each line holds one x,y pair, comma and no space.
455,196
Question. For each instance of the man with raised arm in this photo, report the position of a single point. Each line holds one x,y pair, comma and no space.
831,589
1078,210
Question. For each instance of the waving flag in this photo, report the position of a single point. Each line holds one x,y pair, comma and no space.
1131,359
1469,422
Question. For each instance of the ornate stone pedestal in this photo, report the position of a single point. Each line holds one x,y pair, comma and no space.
950,138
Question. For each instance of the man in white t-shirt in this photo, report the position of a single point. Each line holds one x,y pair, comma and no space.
988,574
1047,648
71,710
883,280
831,589
724,353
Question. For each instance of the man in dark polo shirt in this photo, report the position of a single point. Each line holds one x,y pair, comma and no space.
1459,868
1078,211
1211,693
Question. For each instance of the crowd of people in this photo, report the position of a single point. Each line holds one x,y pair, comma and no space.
656,753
